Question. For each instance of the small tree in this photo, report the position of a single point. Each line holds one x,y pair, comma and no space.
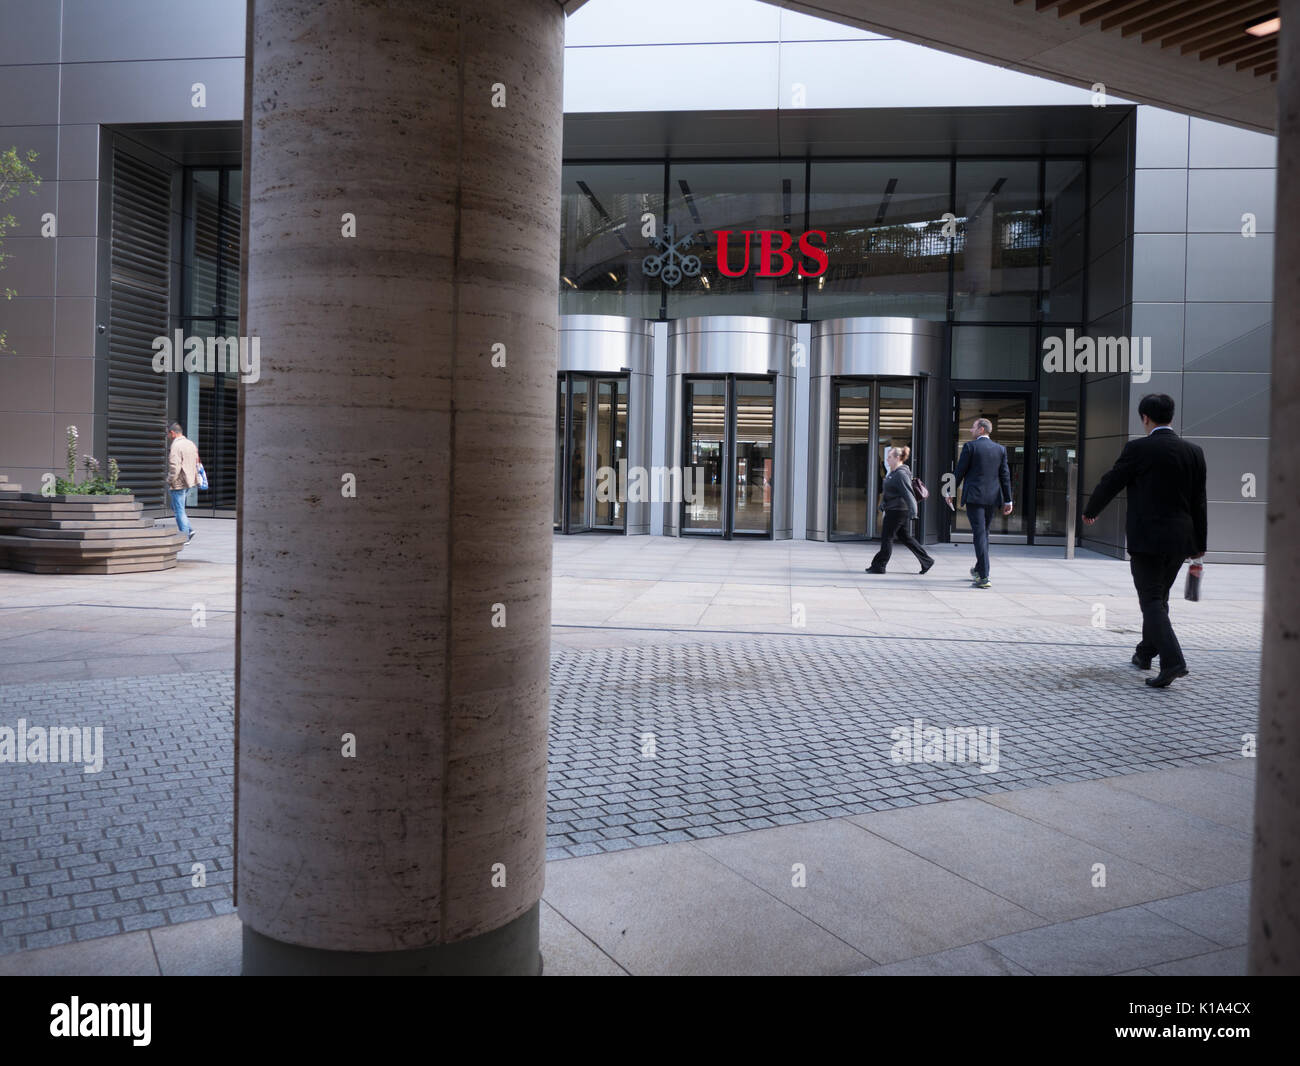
15,171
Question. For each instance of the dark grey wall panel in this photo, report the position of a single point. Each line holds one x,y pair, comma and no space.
1215,145
1160,201
30,95
29,205
1236,527
78,208
1229,337
29,31
1110,162
1163,323
1108,287
151,29
1229,267
75,322
43,140
31,270
1109,223
79,152
1161,138
1159,266
77,266
1225,405
1105,402
28,323
1227,459
1216,200
152,92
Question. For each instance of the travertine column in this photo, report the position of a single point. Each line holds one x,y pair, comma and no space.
1275,888
436,126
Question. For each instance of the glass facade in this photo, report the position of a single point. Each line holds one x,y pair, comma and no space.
993,248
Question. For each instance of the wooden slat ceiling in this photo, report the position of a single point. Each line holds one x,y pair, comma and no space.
1214,31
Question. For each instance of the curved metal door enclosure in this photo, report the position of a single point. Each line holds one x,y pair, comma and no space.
731,386
872,382
603,422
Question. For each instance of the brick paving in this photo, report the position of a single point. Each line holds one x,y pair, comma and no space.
748,732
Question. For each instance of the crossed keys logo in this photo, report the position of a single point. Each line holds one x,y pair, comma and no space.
670,259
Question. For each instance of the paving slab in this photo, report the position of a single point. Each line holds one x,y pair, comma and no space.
125,955
1109,943
1219,914
675,910
566,952
1044,870
885,901
973,960
211,947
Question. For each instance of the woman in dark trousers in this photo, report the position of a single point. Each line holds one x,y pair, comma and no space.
899,505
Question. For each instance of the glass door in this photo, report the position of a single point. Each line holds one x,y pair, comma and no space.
1009,414
608,490
730,436
867,418
751,511
590,445
705,401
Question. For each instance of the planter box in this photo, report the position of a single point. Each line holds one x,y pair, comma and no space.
82,535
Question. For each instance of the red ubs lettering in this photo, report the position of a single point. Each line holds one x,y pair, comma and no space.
774,257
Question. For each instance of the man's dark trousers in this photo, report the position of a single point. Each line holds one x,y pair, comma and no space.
1153,577
981,515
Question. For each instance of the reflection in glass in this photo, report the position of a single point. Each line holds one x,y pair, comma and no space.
611,442
994,353
885,241
995,269
704,197
1007,413
1058,444
851,456
754,422
578,455
706,418
894,430
1064,225
601,247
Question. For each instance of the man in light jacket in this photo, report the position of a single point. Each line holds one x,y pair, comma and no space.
182,475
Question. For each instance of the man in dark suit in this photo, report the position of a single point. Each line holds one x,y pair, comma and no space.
985,478
1165,478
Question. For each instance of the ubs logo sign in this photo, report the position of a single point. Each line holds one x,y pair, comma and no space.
773,253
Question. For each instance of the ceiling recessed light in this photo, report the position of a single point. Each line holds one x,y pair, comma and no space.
1263,29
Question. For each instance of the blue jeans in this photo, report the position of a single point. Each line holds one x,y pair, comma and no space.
980,515
178,509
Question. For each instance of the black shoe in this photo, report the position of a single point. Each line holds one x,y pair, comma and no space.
190,537
925,567
975,572
1142,662
872,571
1166,677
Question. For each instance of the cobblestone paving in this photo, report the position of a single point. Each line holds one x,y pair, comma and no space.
748,732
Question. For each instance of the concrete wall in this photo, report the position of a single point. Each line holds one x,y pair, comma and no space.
67,70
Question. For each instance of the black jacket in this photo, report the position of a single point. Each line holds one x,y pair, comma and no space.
983,473
1165,478
896,492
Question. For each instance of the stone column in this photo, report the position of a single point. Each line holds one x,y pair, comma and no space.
1275,887
411,620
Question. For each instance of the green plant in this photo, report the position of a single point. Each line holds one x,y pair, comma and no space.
15,172
95,484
